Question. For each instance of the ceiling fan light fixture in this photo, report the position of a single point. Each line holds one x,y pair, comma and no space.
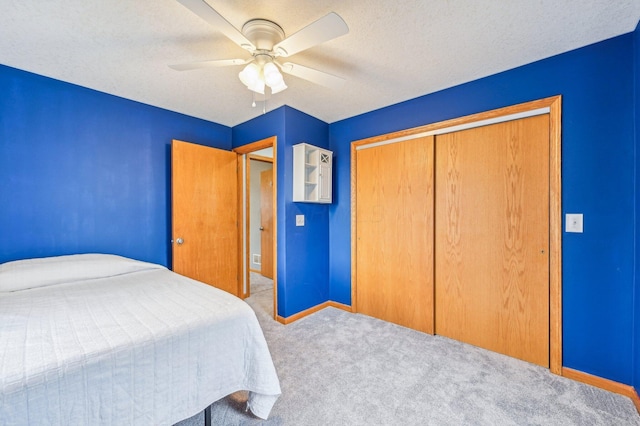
271,75
278,88
257,86
256,77
250,74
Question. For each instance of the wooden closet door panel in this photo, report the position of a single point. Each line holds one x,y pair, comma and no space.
492,237
394,231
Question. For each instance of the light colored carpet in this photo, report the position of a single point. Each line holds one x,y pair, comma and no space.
338,368
260,283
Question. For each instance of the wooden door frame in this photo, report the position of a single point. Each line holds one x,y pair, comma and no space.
551,105
248,207
243,151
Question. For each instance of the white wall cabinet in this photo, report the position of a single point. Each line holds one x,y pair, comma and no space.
312,174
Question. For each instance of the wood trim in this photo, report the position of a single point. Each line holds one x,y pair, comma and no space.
354,265
260,158
338,305
513,109
247,228
602,383
555,235
270,142
256,146
254,270
554,103
240,288
313,309
274,144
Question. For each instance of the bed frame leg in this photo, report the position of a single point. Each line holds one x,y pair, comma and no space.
207,416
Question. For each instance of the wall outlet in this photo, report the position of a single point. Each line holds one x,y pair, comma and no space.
299,220
574,222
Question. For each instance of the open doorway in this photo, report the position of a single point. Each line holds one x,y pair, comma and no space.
259,219
260,223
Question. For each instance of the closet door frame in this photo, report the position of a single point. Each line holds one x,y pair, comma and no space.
551,106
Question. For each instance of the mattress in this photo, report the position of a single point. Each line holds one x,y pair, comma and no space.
134,345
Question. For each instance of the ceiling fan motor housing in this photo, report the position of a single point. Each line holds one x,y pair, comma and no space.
263,34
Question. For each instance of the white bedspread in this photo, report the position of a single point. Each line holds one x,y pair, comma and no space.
148,348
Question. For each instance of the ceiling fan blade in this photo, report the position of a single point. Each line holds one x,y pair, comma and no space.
209,14
324,29
319,77
209,64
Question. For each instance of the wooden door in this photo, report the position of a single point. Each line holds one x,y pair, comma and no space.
394,232
266,223
492,237
204,214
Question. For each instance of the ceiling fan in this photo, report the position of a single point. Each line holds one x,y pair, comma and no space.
266,42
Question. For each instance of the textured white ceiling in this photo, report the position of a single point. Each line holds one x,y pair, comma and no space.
395,50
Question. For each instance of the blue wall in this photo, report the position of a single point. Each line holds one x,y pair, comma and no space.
83,171
636,335
598,178
262,127
303,252
307,250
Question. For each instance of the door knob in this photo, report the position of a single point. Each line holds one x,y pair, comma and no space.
262,228
179,241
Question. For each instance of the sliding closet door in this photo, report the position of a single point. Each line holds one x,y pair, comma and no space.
492,237
394,231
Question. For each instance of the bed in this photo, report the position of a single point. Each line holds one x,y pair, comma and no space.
103,339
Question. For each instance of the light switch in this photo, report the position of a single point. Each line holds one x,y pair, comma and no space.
573,222
299,220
